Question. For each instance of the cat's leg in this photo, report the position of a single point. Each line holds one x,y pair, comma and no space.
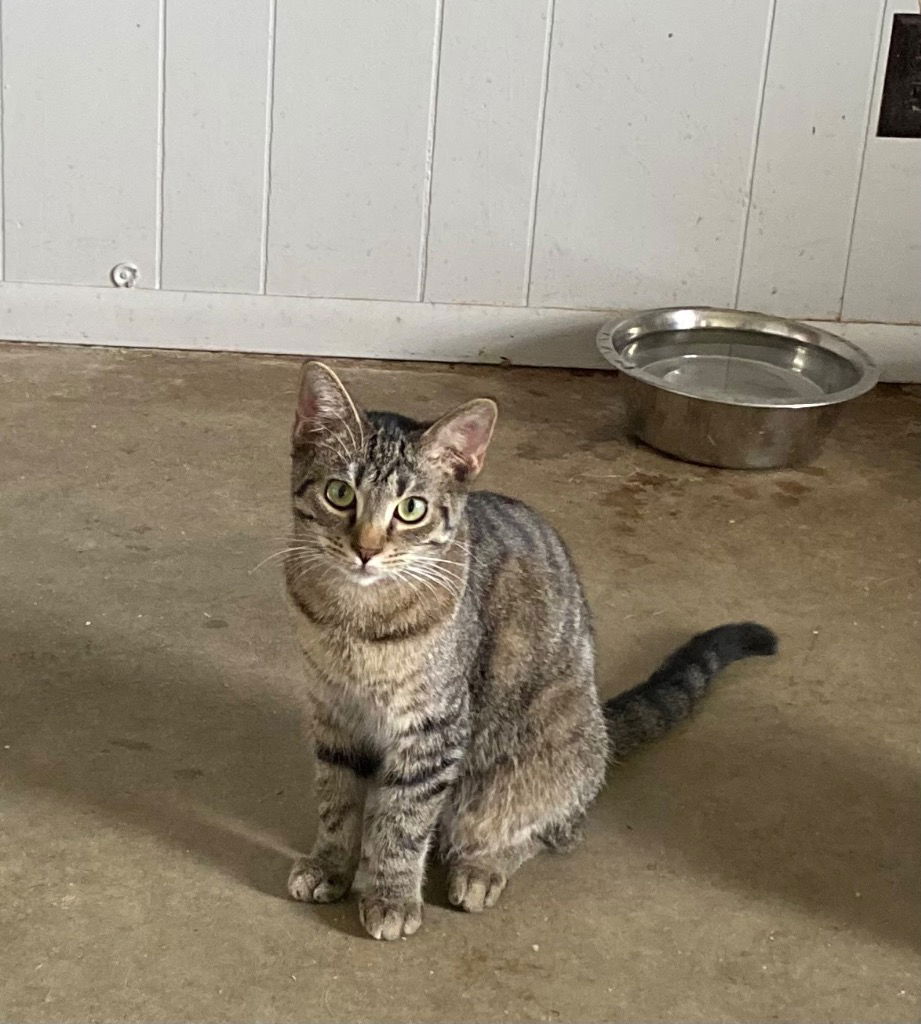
326,874
508,811
399,824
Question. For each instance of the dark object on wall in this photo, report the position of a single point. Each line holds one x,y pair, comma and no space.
900,110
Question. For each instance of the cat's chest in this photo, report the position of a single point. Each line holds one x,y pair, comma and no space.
339,656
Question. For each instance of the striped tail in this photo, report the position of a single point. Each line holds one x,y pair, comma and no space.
671,693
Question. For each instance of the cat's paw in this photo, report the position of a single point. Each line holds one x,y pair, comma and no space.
311,882
474,888
389,918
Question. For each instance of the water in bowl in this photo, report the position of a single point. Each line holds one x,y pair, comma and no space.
733,378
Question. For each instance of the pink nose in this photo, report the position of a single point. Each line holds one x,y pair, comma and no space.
366,554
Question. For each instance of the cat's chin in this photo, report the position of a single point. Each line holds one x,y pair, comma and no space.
363,578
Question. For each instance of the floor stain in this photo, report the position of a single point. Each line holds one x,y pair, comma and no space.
604,434
792,487
530,450
630,559
641,479
131,744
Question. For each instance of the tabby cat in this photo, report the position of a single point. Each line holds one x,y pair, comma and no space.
450,660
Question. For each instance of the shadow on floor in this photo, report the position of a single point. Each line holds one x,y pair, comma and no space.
787,812
161,743
157,741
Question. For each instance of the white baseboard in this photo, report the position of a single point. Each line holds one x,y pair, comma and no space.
354,327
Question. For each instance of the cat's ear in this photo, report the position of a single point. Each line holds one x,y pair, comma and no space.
460,439
324,406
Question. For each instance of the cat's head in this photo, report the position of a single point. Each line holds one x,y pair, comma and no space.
377,496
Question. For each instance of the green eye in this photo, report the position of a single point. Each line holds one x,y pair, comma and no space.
411,510
340,494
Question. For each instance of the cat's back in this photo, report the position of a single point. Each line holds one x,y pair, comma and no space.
504,530
535,627
497,518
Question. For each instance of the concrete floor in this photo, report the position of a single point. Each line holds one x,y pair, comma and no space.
761,864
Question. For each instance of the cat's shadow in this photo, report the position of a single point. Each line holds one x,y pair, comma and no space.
155,742
777,802
158,741
163,744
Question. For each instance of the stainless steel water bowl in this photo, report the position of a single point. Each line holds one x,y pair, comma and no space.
734,389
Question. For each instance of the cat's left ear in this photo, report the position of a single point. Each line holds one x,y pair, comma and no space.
461,438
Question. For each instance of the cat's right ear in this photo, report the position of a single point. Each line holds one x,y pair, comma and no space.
323,407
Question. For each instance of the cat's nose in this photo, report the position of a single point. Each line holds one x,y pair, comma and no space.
366,554
367,541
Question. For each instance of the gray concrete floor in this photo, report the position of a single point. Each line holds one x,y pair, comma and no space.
760,864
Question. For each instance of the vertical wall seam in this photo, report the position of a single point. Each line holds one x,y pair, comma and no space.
871,107
430,152
2,154
756,140
538,154
161,155
267,154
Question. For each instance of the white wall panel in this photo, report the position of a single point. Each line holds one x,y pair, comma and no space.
474,154
354,328
647,151
808,160
80,124
884,271
492,56
214,144
352,100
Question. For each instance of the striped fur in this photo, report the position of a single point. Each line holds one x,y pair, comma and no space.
450,662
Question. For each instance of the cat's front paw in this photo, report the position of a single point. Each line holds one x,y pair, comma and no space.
312,882
389,918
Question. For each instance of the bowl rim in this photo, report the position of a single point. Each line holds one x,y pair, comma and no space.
615,335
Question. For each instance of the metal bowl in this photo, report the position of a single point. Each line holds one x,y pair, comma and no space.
734,389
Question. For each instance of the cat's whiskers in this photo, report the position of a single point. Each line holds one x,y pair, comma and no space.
439,572
408,569
409,573
428,573
308,553
279,554
304,567
472,556
399,575
441,564
438,561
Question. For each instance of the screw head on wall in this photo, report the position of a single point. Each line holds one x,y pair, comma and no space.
124,275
